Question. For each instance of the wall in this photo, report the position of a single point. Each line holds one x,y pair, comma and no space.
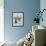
29,7
43,6
1,20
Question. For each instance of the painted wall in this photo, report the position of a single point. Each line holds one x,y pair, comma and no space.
29,7
1,20
43,6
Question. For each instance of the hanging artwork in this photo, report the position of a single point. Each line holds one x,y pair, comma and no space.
17,19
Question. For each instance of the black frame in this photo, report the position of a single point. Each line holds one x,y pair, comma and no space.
23,19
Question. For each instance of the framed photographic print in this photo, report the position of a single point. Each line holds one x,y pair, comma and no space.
17,19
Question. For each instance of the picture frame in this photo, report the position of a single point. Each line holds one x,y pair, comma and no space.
17,19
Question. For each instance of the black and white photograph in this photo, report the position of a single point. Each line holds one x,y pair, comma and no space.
18,18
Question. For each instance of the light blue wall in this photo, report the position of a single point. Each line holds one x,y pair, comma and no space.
43,6
29,7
